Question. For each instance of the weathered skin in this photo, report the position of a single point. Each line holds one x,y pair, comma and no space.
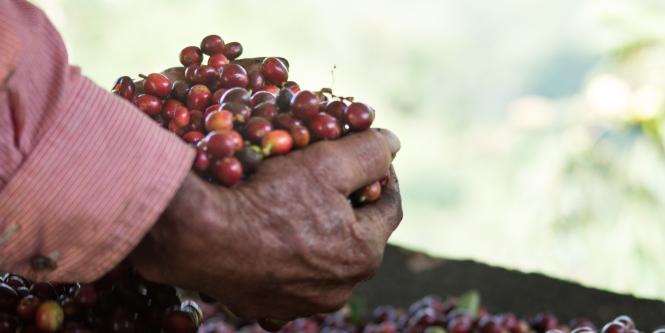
286,242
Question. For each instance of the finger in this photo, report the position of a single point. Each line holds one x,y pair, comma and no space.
352,161
173,73
385,214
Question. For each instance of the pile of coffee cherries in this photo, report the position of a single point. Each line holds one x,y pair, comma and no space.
238,112
430,314
119,302
123,302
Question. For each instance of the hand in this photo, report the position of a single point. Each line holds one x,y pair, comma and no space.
286,242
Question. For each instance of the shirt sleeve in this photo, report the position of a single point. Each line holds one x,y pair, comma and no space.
83,174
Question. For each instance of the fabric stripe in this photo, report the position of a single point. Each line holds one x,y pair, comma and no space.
88,174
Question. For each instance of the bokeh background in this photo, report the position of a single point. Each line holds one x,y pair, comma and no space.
532,130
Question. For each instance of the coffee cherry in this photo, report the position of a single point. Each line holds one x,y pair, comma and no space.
8,298
220,144
44,291
283,99
181,118
305,104
234,75
180,90
546,321
336,109
285,121
191,75
228,171
218,61
205,74
193,137
261,97
325,127
212,44
256,82
217,96
626,321
256,128
179,322
238,141
232,50
274,71
201,162
170,107
219,121
148,103
23,291
300,135
614,327
199,97
235,95
241,112
359,116
579,329
16,281
49,316
250,157
86,295
490,324
73,327
121,319
8,324
276,142
273,89
27,307
191,55
70,308
460,324
248,100
212,108
124,87
196,121
294,87
175,129
368,194
157,84
582,322
267,110
522,326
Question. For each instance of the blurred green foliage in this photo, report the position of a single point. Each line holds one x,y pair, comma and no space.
531,130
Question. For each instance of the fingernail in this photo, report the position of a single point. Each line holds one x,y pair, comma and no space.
391,139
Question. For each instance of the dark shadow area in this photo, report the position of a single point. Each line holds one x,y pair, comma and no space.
406,276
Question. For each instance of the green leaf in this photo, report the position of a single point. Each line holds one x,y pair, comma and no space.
469,302
356,311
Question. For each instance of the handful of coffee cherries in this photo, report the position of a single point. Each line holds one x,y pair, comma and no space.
238,112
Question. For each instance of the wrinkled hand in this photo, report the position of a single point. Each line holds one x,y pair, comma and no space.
286,242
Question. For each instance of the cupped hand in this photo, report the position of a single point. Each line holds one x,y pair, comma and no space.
286,242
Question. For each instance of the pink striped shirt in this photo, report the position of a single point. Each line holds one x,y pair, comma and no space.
83,174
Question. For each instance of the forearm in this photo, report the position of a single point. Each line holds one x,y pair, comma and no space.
83,174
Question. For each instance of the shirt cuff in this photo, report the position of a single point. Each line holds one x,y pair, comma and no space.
90,190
